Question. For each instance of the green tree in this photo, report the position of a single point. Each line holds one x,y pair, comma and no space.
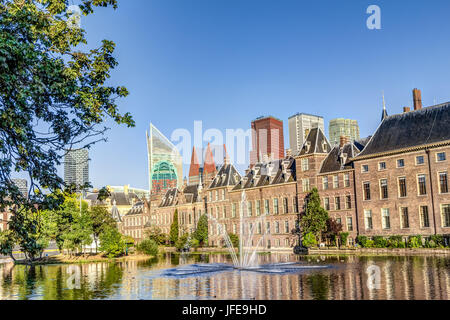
201,233
100,218
315,217
53,98
234,238
147,246
112,243
7,243
174,230
155,234
344,238
309,240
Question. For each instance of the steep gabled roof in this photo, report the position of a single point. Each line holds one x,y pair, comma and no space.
209,166
225,177
411,129
191,193
138,208
271,173
316,142
170,198
194,169
339,158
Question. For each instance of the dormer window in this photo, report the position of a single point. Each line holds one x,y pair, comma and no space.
308,146
324,146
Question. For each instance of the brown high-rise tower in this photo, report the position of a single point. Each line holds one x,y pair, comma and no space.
267,140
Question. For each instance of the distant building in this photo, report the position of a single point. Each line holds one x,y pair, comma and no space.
343,127
22,184
300,125
267,140
76,167
141,193
164,162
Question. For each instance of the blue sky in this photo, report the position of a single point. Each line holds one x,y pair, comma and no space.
228,62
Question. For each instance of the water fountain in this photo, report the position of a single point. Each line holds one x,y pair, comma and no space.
251,230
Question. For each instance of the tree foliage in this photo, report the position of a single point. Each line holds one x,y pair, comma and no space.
148,246
7,243
112,243
155,234
201,233
315,217
174,229
53,97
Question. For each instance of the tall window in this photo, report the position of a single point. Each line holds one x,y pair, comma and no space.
305,165
366,188
337,203
368,219
349,224
443,182
336,181
295,204
268,227
217,195
266,206
402,187
382,166
285,205
233,210
400,163
249,208
422,182
305,185
210,196
258,207
348,202
404,217
224,212
386,219
446,215
286,226
277,227
223,194
325,183
424,218
326,203
275,206
347,180
384,189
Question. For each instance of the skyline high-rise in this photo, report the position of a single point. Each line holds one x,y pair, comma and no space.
343,127
76,167
300,125
267,140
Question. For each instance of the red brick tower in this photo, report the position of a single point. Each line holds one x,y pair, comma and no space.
267,139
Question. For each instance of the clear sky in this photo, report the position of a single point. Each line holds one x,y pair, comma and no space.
226,62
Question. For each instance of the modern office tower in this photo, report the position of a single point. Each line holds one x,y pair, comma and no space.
164,162
300,125
22,184
343,127
267,140
76,167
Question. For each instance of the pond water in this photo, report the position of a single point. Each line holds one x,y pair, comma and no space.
324,277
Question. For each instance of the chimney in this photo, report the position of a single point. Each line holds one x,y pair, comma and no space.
343,141
417,96
406,109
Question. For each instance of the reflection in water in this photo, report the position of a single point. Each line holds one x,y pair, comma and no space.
404,278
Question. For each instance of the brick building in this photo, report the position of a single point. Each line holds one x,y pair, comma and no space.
267,140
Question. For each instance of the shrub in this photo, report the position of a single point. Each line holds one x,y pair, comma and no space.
112,242
195,243
438,240
401,245
369,244
148,246
309,240
361,240
234,240
182,242
344,238
394,241
415,242
379,242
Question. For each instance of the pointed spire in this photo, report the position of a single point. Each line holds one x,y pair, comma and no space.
209,166
194,170
384,115
226,157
